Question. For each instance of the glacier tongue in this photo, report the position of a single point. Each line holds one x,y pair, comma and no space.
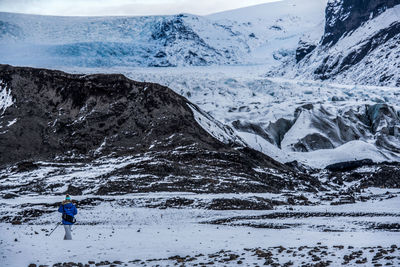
308,121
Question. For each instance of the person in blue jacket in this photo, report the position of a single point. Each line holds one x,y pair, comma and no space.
68,210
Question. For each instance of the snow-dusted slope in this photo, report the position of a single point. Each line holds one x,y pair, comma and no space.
360,45
265,36
277,27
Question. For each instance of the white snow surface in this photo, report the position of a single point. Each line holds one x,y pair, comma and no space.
219,131
353,150
112,231
90,173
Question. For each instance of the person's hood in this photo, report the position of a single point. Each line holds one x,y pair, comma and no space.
65,202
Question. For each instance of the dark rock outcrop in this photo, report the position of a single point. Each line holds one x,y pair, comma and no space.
313,141
382,175
360,37
303,49
349,165
60,113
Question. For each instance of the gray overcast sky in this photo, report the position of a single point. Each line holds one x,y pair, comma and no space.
123,7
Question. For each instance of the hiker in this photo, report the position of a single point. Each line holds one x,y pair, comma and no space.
68,211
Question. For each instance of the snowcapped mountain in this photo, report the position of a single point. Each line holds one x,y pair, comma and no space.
258,35
359,45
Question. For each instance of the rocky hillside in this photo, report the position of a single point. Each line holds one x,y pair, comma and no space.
106,133
345,16
360,39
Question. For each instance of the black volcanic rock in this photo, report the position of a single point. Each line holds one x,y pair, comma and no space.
349,165
382,175
345,16
303,49
63,113
95,120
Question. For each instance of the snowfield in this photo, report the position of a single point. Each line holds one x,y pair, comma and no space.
115,230
6,98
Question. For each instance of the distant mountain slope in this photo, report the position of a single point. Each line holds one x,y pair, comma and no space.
345,16
123,136
136,41
360,44
265,37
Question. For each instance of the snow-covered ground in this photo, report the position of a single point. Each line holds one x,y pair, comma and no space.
110,229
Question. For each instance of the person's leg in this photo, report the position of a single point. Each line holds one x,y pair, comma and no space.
68,235
70,231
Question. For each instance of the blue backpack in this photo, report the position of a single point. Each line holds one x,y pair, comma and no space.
68,218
